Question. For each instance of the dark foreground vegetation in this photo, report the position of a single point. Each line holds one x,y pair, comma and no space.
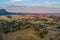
37,23
14,25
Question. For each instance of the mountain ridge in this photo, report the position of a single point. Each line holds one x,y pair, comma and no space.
4,12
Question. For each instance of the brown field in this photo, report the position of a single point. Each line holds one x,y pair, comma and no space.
15,17
30,33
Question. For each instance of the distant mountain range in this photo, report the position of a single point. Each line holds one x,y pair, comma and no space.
31,9
4,12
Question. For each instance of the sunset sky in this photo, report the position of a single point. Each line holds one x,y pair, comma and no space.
45,3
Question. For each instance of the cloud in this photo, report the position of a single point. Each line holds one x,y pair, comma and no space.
17,0
55,5
51,4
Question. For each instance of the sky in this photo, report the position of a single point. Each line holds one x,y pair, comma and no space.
45,3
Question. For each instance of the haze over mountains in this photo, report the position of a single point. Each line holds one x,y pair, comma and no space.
31,9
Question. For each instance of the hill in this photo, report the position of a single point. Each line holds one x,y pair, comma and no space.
4,12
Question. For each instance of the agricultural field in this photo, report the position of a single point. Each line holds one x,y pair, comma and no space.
31,27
